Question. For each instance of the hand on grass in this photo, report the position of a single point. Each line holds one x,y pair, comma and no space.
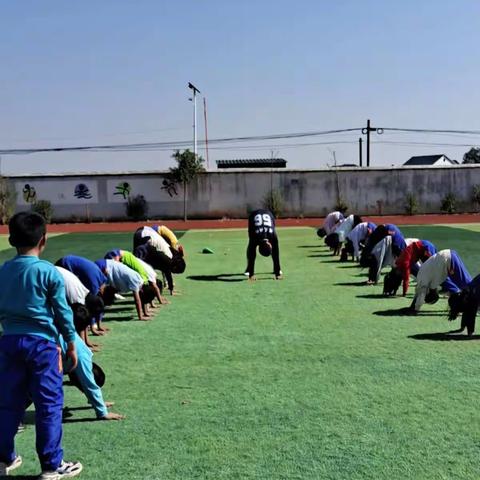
109,404
252,278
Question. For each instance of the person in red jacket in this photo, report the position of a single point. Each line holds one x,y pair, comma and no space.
407,264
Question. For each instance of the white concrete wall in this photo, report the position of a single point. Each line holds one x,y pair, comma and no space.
232,193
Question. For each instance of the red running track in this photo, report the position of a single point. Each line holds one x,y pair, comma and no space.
242,223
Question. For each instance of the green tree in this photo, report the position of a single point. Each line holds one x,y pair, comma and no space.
472,156
8,199
188,167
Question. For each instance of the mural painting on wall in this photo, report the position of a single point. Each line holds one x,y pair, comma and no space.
82,192
124,189
169,186
29,193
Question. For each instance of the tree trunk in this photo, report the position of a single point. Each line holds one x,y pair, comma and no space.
184,201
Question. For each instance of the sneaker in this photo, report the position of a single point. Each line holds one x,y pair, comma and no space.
246,274
119,297
65,470
6,468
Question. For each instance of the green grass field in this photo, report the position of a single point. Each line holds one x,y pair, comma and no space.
292,379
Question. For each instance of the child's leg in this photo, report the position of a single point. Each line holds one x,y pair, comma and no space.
45,384
13,379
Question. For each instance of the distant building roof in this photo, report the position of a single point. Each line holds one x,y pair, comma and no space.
253,163
428,160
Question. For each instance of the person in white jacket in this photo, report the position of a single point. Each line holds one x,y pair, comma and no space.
445,269
336,239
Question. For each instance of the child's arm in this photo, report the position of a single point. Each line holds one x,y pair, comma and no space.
63,314
92,391
138,305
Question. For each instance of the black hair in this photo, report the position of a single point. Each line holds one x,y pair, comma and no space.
332,240
432,296
372,268
344,255
458,303
265,248
81,317
98,375
147,294
392,282
321,232
95,304
376,236
356,220
178,264
138,239
469,317
26,229
108,295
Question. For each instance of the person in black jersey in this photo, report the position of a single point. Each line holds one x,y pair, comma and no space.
262,234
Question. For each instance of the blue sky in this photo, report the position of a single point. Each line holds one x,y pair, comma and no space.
82,73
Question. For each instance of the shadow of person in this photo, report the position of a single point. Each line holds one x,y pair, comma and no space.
375,296
351,284
220,277
452,335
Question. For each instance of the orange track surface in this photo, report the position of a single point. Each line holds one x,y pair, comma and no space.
242,223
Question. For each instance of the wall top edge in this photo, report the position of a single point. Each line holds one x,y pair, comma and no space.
242,170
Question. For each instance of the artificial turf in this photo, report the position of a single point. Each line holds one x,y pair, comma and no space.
292,379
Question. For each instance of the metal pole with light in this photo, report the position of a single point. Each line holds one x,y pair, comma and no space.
195,90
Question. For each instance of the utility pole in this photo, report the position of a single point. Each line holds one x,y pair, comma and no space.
195,90
366,131
206,130
360,141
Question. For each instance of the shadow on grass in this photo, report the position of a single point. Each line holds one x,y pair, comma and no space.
376,296
310,246
444,336
19,477
80,420
406,312
350,265
119,308
351,284
220,277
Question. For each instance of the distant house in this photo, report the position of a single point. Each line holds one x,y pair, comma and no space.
253,163
430,161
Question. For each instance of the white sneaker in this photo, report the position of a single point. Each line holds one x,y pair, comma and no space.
65,470
6,468
119,297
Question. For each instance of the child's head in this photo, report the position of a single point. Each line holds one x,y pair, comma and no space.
27,230
81,317
108,295
321,232
265,248
356,220
457,303
113,255
147,294
98,375
178,263
392,282
94,304
432,296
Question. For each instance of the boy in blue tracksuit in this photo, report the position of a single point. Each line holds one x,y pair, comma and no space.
33,312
